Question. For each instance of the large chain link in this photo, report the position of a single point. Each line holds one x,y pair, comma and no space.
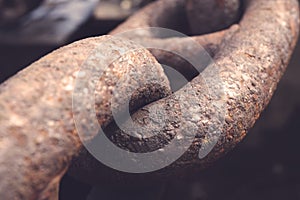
38,136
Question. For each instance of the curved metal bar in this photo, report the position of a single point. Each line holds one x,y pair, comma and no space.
38,136
250,61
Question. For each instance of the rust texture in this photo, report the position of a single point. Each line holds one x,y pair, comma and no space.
249,61
38,136
188,17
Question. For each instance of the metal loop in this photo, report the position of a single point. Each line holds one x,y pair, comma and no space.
38,136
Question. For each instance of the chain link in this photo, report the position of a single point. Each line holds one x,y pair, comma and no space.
38,136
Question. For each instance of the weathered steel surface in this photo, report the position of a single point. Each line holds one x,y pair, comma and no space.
191,17
249,63
38,137
173,14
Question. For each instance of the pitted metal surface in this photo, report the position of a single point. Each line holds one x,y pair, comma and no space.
38,137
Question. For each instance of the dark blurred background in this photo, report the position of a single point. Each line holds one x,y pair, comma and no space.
265,165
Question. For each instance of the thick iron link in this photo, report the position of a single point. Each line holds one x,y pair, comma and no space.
37,133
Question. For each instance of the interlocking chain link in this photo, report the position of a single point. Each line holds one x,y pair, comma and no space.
38,136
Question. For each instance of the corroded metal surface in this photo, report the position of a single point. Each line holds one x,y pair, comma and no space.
191,17
185,17
38,137
250,61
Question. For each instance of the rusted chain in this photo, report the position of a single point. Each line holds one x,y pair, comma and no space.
185,16
250,61
189,17
38,137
